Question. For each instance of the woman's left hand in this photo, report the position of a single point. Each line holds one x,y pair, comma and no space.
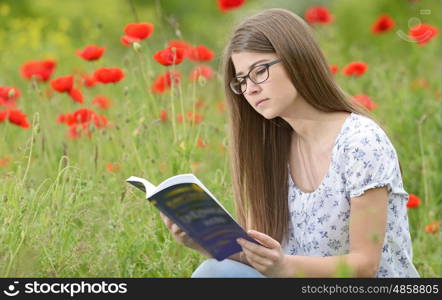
268,259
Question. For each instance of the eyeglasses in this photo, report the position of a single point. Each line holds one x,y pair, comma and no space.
257,75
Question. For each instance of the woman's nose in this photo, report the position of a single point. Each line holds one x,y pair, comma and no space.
251,87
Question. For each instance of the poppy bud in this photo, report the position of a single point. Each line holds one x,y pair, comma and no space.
202,80
11,93
136,46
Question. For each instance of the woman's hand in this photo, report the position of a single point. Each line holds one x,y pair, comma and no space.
267,259
181,236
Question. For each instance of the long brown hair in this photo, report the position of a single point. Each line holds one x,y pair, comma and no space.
259,147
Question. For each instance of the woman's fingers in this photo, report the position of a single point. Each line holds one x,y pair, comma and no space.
262,261
166,220
180,235
175,229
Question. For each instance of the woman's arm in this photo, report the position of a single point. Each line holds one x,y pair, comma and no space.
368,217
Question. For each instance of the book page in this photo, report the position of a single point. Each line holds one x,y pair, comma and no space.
143,185
151,189
187,178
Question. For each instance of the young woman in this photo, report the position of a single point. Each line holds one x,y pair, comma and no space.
316,180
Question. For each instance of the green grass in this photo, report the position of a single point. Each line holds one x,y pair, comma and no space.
62,214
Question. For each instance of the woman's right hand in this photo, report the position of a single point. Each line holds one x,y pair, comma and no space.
181,236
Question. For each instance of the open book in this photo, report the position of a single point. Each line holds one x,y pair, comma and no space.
190,205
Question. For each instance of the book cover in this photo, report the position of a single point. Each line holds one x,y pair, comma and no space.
188,203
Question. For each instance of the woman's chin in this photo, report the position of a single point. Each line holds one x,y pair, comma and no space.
268,115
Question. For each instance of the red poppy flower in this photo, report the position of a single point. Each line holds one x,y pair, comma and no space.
139,30
194,118
365,101
9,93
112,168
164,82
77,130
66,118
179,118
61,118
196,167
383,24
433,227
136,32
334,69
101,121
204,71
127,40
187,47
82,121
63,83
5,160
18,118
83,115
74,131
422,33
318,15
225,5
88,81
9,96
200,53
200,143
102,102
413,201
76,95
3,115
91,52
42,70
169,56
108,75
199,104
163,115
355,68
221,106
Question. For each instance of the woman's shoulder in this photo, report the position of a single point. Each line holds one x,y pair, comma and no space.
362,128
364,135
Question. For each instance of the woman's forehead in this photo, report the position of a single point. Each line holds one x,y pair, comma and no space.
243,60
245,55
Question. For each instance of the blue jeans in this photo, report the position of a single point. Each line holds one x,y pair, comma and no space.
226,268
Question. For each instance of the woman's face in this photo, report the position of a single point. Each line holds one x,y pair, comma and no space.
277,88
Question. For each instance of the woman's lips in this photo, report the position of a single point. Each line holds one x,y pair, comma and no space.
260,101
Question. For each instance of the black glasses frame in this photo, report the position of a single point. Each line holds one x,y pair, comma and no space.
267,65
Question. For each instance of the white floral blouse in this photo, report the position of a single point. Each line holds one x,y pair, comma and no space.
362,158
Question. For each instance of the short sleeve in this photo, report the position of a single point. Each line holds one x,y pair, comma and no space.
370,161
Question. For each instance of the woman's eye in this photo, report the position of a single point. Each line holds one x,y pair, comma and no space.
260,71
